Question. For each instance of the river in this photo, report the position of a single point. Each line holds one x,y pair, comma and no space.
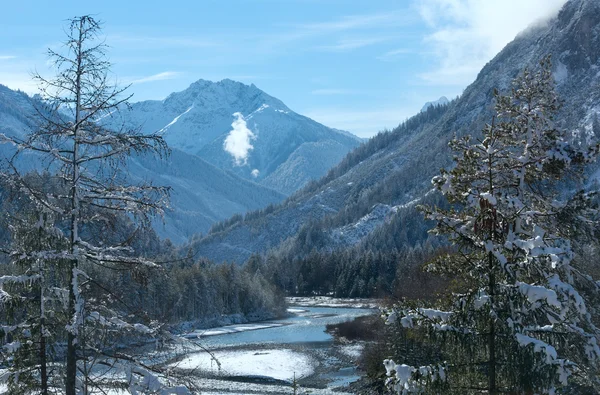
264,358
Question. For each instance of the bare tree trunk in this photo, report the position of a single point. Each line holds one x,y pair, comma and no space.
492,281
71,379
43,358
492,336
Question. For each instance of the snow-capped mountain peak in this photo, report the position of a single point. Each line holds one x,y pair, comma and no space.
276,140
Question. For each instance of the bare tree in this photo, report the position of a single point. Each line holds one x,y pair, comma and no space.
86,159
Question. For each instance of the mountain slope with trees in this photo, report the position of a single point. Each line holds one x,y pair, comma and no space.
395,168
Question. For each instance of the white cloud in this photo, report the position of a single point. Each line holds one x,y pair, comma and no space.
255,173
238,141
344,24
394,54
166,75
330,92
351,44
161,42
7,57
468,33
357,22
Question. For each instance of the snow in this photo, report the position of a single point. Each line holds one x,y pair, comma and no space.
433,314
230,329
260,109
328,301
538,346
352,233
481,300
353,350
280,364
222,387
441,101
489,197
295,311
164,129
555,283
238,142
561,73
534,293
403,374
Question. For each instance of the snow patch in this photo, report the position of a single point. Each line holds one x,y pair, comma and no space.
238,141
353,350
278,364
223,330
561,73
175,120
328,301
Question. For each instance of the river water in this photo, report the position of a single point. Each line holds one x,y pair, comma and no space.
266,360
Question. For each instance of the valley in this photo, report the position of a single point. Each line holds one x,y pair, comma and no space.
167,227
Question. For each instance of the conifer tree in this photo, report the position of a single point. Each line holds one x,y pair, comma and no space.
31,303
518,322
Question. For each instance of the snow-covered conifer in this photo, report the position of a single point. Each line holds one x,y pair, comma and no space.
518,321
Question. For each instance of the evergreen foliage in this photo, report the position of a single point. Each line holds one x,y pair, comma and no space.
519,320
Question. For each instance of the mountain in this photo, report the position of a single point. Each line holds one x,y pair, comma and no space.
371,195
269,143
442,101
202,194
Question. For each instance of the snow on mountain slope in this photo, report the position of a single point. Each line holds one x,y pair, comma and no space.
395,168
441,101
199,119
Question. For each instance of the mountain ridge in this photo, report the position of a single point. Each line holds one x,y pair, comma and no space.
199,119
202,194
398,167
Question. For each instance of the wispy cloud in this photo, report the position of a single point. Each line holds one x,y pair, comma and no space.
356,22
345,45
394,54
165,75
7,57
343,24
331,92
468,33
162,42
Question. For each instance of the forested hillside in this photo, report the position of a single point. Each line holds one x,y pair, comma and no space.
395,168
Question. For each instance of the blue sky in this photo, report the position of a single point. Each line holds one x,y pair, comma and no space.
356,65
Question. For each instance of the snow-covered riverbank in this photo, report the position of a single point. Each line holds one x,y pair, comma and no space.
266,358
329,301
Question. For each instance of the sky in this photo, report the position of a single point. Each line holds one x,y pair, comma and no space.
356,65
